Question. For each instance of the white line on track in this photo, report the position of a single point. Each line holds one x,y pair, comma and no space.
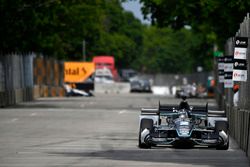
29,152
14,119
33,114
122,111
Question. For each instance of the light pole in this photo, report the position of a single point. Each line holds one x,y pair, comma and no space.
84,50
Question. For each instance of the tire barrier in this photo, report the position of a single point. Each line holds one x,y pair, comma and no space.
48,77
48,91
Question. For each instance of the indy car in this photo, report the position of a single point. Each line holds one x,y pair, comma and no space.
183,125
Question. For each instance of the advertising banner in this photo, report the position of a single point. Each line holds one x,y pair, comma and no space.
240,59
228,71
76,72
221,68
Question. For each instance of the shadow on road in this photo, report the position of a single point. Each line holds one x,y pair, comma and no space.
194,156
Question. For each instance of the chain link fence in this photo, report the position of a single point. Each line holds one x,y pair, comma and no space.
239,117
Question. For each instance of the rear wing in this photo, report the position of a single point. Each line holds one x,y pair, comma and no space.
150,111
195,109
171,110
216,113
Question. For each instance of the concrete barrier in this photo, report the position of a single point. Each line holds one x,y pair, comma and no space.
44,91
3,99
47,91
19,94
117,87
36,92
11,97
161,90
248,143
28,94
239,126
245,128
247,118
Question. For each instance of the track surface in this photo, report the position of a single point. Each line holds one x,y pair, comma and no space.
96,131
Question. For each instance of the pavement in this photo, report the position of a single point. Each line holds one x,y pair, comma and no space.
99,131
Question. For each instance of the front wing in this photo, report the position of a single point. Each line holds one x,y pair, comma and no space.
197,137
167,136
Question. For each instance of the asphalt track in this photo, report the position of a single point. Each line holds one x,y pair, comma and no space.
100,131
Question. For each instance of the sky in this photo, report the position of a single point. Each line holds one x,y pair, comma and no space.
134,6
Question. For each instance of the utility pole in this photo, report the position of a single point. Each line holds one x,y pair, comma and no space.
84,50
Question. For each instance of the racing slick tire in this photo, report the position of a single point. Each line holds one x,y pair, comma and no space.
222,125
224,147
145,123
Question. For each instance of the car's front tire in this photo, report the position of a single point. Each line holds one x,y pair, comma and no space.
219,126
145,124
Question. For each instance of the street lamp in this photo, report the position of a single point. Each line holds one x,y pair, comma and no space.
84,50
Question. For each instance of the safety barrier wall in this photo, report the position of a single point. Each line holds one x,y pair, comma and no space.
177,79
239,127
16,80
25,77
112,88
239,116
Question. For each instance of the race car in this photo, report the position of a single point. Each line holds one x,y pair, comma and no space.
183,125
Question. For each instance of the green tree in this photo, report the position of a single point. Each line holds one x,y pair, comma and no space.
217,20
58,27
52,27
122,37
169,51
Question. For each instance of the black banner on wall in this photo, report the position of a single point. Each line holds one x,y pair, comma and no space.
221,68
228,71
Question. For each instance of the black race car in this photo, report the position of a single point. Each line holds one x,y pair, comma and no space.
182,125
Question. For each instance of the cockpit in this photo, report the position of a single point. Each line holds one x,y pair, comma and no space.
184,104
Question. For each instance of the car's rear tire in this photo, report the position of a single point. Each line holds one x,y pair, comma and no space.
145,124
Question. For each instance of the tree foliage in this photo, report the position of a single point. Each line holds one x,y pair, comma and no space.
169,51
217,20
58,27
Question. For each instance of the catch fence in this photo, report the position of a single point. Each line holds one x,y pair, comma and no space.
24,77
16,81
239,116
